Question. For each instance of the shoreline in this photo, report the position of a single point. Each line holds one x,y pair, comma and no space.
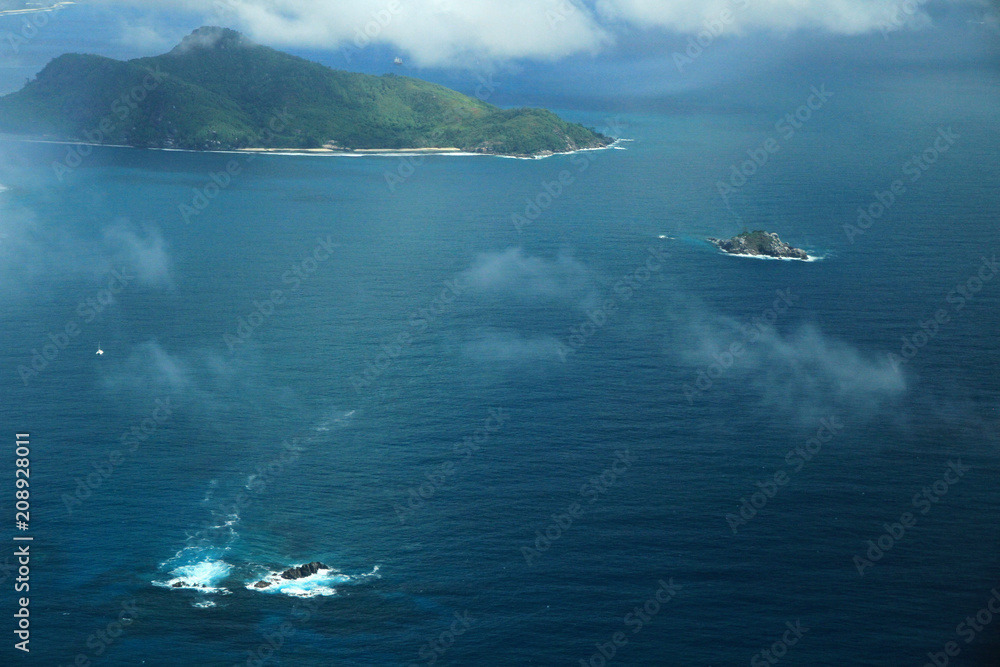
337,151
323,152
808,258
37,10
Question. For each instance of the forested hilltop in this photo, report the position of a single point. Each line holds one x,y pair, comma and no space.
217,90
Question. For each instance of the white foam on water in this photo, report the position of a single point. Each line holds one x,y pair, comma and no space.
210,492
323,583
345,417
202,576
200,565
337,417
809,258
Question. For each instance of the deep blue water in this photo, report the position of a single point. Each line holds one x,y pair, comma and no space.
488,316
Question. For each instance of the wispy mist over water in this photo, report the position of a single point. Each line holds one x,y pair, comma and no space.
649,386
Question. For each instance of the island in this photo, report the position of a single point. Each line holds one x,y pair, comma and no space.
218,90
759,244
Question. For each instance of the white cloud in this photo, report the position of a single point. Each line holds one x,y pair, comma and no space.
150,368
817,374
145,37
440,33
143,252
460,33
513,274
805,374
692,16
32,253
503,285
428,32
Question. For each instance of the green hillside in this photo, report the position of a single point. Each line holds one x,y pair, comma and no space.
218,90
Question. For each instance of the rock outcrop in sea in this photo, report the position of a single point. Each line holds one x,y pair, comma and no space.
301,571
298,572
759,244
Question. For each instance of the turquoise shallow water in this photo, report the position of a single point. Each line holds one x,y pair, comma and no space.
513,426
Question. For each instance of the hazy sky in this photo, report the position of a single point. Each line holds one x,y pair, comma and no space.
647,47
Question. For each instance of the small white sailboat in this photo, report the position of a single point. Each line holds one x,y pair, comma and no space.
99,350
398,61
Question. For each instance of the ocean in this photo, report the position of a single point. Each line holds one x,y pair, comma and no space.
523,411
